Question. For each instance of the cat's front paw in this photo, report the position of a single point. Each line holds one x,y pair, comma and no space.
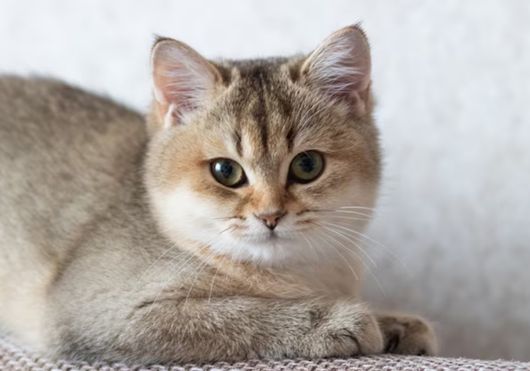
404,334
346,329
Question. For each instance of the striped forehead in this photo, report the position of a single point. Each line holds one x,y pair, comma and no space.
266,117
263,126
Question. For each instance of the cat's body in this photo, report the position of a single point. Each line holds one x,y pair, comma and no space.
93,266
100,214
53,197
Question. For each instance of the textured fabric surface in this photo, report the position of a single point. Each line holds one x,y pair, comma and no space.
452,80
13,358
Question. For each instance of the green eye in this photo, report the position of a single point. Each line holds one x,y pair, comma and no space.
306,167
228,172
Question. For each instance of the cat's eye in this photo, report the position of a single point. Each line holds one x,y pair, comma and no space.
306,167
228,172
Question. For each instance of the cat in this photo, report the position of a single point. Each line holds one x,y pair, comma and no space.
223,225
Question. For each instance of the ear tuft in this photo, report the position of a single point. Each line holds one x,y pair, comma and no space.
183,80
340,67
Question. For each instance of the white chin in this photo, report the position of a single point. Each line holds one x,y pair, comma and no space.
262,249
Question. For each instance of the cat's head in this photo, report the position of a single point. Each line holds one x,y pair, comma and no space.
271,160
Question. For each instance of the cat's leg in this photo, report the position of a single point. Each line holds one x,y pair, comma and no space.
238,328
407,334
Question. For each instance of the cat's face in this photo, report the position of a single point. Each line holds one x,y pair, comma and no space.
269,161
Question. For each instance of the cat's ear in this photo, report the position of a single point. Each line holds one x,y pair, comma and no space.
340,67
183,80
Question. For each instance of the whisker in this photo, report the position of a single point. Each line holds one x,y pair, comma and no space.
370,270
204,265
360,213
338,211
347,238
355,275
357,207
313,248
185,264
212,283
362,235
377,243
164,253
229,217
348,217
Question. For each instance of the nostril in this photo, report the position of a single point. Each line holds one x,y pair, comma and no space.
271,220
270,225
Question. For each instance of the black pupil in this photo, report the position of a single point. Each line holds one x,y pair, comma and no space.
225,168
306,163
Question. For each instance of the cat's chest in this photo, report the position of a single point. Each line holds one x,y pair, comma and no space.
331,278
317,279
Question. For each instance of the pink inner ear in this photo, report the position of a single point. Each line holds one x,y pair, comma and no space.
341,65
183,79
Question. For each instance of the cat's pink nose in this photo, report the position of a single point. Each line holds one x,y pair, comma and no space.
271,219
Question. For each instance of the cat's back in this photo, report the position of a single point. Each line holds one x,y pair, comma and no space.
65,155
42,111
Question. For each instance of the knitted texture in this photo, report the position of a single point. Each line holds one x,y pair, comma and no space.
14,358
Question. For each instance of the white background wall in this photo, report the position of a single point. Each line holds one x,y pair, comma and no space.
453,83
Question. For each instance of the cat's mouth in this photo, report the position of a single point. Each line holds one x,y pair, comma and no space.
263,237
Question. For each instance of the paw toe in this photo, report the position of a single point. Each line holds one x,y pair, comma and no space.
422,352
392,343
408,335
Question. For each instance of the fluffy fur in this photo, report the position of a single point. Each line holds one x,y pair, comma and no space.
116,242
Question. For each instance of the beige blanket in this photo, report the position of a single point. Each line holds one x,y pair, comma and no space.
14,358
